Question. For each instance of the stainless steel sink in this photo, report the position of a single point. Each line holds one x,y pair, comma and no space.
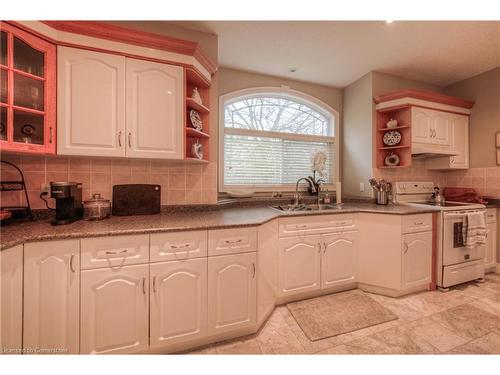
304,207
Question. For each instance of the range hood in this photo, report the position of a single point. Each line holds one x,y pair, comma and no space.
435,153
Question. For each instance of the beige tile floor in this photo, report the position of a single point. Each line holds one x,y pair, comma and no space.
465,320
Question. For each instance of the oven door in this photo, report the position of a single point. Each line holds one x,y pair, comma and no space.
454,251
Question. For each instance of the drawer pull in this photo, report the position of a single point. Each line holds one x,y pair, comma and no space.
179,246
234,241
418,223
116,252
301,226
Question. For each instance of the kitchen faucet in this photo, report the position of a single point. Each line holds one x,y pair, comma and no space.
297,196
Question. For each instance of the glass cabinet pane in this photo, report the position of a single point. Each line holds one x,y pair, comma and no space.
3,86
3,123
28,92
28,127
3,48
27,58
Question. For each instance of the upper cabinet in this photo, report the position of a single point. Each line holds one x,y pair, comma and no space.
111,105
27,92
433,125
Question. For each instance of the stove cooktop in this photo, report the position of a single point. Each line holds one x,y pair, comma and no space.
445,204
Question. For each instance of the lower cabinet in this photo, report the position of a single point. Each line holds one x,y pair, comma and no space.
115,310
416,259
299,262
339,259
178,301
491,245
232,288
11,300
52,296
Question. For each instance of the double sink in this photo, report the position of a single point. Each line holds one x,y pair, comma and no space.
304,207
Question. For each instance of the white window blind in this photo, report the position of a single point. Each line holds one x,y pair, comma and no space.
268,140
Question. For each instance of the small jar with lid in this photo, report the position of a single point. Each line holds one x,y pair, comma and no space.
96,208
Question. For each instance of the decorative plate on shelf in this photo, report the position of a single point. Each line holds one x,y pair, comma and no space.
392,138
195,120
392,160
197,150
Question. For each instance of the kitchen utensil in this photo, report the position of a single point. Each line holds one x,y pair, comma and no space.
195,120
96,208
392,138
196,96
136,199
391,123
392,159
382,197
197,150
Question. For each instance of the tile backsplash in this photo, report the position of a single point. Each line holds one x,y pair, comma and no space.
485,180
181,182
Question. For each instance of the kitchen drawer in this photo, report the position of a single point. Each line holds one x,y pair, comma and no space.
461,273
491,215
178,245
232,241
114,251
416,223
306,225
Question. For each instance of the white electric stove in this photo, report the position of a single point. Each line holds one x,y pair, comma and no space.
456,263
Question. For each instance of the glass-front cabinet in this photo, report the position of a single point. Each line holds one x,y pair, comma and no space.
27,92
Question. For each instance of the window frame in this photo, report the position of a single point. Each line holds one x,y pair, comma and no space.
282,92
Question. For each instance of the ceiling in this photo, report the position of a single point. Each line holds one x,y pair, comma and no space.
336,53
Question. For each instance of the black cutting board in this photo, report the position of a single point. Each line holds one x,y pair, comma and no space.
136,199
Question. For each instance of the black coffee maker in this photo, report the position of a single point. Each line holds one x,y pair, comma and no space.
68,196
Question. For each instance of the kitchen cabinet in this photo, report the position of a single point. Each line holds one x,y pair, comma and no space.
111,105
299,262
232,286
27,92
91,103
416,259
339,259
52,295
431,131
178,301
490,258
155,110
115,310
459,145
11,299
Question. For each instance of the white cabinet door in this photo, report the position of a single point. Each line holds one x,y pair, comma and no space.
416,259
232,294
155,114
11,299
178,302
339,259
90,103
115,310
421,125
52,295
440,129
299,265
491,245
460,142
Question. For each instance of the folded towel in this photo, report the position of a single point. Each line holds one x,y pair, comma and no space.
474,229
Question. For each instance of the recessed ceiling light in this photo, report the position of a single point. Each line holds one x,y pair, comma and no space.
293,69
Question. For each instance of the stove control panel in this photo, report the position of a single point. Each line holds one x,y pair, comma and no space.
402,187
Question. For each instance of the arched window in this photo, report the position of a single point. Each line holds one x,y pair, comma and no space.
269,135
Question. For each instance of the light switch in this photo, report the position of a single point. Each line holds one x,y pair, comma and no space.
361,187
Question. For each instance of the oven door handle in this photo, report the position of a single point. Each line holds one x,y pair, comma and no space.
451,216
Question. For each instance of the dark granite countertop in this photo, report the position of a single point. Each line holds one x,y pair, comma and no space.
17,233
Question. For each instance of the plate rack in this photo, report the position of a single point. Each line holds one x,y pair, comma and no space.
16,185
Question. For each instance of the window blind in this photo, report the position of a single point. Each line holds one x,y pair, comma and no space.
251,160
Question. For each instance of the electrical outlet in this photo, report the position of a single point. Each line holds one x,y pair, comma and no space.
45,188
361,187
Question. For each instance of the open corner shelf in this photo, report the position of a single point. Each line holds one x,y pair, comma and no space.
194,79
403,115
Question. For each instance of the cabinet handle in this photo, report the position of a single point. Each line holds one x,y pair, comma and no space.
324,247
452,161
253,270
319,247
130,140
71,263
154,284
143,285
180,246
233,241
418,223
51,135
301,226
120,138
116,252
405,245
